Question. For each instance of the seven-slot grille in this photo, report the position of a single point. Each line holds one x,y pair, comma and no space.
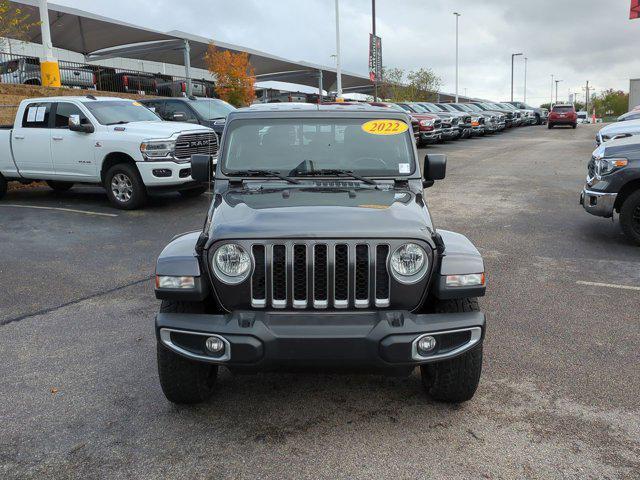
196,143
320,275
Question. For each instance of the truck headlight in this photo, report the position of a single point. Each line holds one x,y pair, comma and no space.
605,166
231,263
409,263
154,149
426,123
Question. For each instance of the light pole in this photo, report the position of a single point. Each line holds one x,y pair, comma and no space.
49,70
525,80
373,21
513,55
457,17
551,102
557,82
338,66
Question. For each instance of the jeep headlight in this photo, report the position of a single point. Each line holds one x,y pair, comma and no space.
605,166
409,263
231,263
154,149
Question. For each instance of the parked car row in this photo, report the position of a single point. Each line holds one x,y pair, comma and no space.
439,122
26,70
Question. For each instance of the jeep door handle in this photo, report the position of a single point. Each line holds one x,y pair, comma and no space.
19,137
56,138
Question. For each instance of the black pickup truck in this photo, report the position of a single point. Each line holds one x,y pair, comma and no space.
613,184
318,251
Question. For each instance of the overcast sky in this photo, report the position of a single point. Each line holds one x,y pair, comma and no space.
576,40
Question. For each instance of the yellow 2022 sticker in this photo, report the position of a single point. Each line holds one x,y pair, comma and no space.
385,127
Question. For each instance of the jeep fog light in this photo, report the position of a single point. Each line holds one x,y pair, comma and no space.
231,263
214,344
426,344
163,281
468,280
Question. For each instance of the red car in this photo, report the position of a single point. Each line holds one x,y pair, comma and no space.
563,115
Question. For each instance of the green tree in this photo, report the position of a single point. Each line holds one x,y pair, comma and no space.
611,103
416,85
424,84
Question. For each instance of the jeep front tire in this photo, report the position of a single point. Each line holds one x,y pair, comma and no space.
184,381
454,380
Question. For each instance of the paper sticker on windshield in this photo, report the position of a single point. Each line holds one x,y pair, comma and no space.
404,168
385,127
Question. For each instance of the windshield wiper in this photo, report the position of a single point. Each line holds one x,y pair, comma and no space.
121,122
333,171
263,173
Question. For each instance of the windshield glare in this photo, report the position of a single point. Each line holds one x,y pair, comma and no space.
295,146
126,111
214,108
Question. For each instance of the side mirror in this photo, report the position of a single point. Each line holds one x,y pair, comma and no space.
202,167
179,117
435,168
76,126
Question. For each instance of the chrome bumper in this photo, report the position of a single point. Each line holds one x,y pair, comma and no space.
598,203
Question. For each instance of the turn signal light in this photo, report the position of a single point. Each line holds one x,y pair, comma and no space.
468,280
163,281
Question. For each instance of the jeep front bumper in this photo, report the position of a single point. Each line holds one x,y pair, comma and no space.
279,340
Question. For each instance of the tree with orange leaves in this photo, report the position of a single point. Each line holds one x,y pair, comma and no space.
234,75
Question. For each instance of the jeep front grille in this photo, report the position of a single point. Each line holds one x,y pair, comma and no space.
320,275
196,143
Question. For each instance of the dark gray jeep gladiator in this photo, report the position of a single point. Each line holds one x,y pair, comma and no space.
319,252
613,184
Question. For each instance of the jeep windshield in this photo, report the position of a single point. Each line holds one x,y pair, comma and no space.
118,112
307,146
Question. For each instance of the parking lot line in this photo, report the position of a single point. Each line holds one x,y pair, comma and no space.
85,212
608,285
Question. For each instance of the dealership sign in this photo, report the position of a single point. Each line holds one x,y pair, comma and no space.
375,58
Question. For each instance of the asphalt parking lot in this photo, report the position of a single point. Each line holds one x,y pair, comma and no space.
80,398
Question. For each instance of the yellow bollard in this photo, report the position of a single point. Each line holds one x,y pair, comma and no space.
50,74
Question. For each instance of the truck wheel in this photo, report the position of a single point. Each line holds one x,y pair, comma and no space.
538,121
184,381
124,187
193,192
3,186
630,217
574,126
454,380
59,186
550,126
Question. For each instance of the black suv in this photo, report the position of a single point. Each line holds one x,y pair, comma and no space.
318,250
210,112
613,184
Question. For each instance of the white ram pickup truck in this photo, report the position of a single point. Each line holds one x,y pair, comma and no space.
117,143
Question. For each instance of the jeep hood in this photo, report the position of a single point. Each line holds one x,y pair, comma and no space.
159,129
319,213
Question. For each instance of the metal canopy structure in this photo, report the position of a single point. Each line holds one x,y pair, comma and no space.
99,37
